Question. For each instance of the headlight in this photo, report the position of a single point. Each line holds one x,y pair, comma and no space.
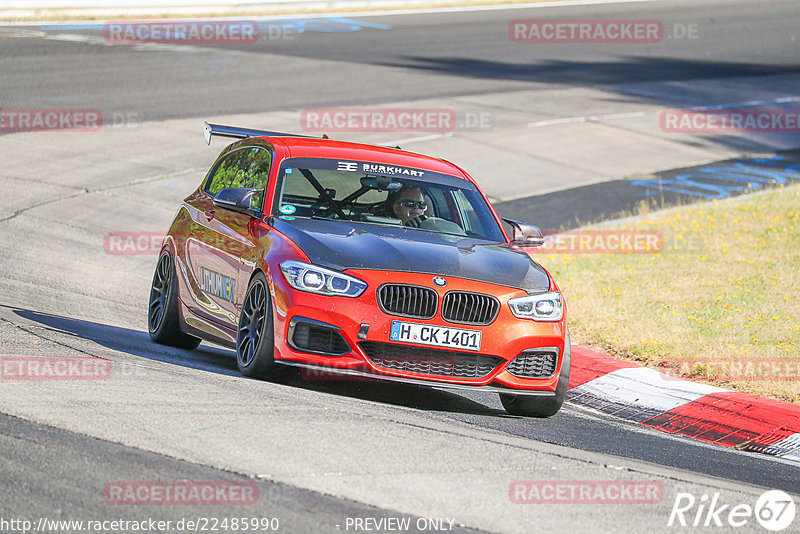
314,279
539,307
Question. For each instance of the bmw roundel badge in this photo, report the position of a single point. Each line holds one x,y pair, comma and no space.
439,281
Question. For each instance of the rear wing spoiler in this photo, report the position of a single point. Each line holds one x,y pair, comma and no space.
243,133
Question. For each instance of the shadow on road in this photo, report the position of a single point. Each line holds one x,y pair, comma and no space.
223,361
676,187
625,70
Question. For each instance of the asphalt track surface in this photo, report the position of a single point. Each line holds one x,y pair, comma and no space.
431,55
46,483
616,199
393,58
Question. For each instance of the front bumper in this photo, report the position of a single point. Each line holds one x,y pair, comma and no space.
361,319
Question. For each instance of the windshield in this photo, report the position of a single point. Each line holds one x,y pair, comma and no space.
381,194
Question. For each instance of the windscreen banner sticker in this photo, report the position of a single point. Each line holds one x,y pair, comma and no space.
348,166
371,168
387,169
217,284
360,166
376,168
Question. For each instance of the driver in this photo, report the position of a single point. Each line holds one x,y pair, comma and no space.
409,206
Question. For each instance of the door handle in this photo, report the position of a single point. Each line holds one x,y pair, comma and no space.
210,214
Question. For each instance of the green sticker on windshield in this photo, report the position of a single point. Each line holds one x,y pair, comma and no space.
288,209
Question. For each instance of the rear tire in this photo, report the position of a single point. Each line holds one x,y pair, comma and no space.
255,337
531,406
163,321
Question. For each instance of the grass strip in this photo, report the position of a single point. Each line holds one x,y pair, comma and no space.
716,301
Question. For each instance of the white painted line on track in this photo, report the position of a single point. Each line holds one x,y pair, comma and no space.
419,139
589,118
142,47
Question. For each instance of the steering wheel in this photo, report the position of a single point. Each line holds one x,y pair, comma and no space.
437,224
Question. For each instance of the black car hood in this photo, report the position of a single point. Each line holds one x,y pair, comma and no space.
343,245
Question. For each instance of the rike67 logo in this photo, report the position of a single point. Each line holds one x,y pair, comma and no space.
774,510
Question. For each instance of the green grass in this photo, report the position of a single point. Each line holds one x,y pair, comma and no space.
718,304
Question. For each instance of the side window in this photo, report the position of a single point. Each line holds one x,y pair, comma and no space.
440,207
246,167
470,220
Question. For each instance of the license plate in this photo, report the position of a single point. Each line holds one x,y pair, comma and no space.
440,336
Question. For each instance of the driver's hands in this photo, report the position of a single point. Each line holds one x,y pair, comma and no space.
416,221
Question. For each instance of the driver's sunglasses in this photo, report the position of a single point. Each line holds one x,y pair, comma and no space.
421,204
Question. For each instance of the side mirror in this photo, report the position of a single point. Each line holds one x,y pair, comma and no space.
238,199
525,235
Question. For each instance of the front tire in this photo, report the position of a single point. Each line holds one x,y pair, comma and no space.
530,406
163,322
255,337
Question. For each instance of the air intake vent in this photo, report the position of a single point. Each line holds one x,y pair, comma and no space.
425,361
408,301
469,308
534,363
311,337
